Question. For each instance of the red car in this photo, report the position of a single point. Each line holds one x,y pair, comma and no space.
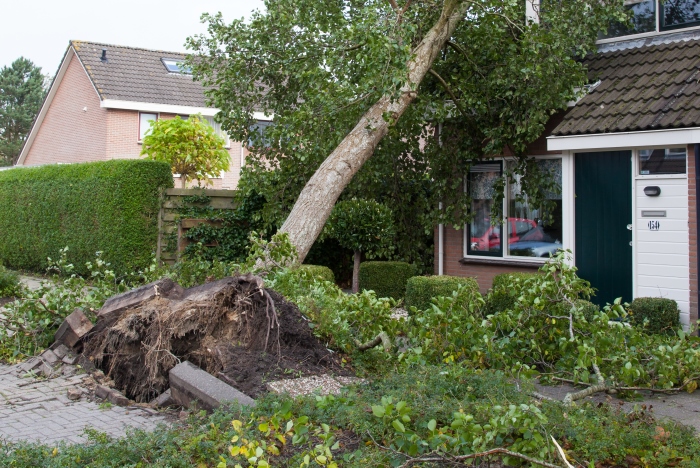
486,237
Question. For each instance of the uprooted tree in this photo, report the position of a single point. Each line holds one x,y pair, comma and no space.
346,80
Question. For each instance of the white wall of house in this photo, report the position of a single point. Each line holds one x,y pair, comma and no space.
661,245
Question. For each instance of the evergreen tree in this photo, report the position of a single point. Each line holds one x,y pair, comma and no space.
21,95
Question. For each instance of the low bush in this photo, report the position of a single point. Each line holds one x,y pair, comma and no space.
386,279
109,206
655,314
421,289
501,297
9,283
319,272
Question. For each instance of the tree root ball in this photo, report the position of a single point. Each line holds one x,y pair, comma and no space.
233,328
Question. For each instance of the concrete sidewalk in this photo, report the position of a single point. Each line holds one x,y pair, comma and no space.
681,407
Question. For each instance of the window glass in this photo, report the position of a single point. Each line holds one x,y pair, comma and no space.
176,66
534,231
662,161
258,129
217,128
485,238
679,14
145,123
643,19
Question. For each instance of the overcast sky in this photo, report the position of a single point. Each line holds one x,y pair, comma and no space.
40,29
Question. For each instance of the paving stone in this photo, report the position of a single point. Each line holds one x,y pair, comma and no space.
73,328
189,383
164,399
41,411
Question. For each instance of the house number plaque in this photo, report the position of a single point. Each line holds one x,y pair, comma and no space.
654,225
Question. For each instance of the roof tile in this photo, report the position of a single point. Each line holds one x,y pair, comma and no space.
643,88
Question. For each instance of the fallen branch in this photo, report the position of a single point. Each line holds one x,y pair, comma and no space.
382,338
601,386
460,459
562,455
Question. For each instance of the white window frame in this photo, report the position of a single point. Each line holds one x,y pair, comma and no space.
567,206
141,133
218,130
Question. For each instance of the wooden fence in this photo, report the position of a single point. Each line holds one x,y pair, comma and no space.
170,225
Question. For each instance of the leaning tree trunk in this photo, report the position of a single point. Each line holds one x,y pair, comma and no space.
356,273
316,200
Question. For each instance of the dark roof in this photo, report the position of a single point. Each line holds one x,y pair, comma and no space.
131,74
645,88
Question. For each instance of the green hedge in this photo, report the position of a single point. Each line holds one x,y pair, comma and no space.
421,289
9,282
502,295
107,206
319,272
662,314
387,279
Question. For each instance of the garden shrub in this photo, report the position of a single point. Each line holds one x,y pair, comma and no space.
660,314
109,206
502,294
386,279
320,272
9,283
421,289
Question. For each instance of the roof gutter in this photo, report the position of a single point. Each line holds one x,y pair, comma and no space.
607,141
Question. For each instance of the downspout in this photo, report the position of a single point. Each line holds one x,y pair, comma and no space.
697,218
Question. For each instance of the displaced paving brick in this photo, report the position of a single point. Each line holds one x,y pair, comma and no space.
49,357
70,359
164,399
73,328
60,350
189,383
74,394
111,395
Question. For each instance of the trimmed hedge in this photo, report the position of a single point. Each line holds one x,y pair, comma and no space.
9,282
387,279
501,296
662,314
109,206
320,272
421,289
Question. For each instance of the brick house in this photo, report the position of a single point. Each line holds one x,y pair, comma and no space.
624,157
102,99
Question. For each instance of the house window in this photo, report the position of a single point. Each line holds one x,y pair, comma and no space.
485,235
259,129
218,130
662,161
145,123
536,231
645,15
527,231
176,66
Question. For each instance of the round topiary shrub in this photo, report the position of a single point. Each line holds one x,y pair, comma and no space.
421,289
386,279
505,291
656,315
319,272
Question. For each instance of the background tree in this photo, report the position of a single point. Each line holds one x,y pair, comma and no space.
358,79
21,95
365,227
191,147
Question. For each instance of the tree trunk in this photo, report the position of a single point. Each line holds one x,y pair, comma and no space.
356,273
316,200
183,182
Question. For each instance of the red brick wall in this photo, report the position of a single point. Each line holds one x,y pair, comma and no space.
692,235
453,253
122,143
75,127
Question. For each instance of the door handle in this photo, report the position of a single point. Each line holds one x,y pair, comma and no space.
629,227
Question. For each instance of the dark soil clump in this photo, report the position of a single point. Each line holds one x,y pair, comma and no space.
234,328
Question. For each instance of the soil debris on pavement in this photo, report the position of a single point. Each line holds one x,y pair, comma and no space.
234,328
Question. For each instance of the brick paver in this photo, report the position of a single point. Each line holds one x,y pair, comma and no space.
39,410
